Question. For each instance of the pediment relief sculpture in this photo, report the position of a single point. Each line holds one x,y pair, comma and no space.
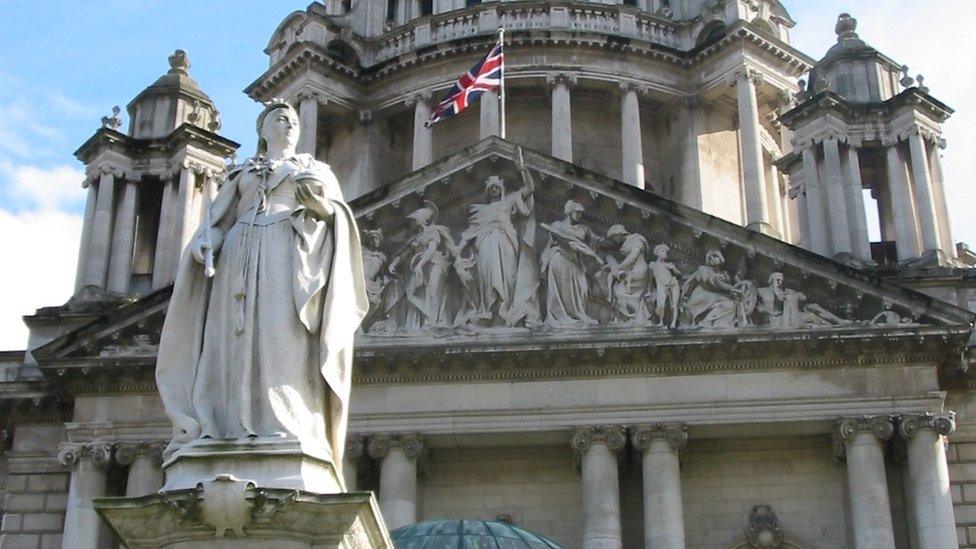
504,249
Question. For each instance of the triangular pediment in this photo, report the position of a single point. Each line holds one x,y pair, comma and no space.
735,298
754,283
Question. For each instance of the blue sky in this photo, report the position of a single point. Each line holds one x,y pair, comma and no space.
64,64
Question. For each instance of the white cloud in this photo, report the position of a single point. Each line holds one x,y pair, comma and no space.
41,248
57,188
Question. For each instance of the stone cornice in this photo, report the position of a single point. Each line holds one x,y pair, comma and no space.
141,149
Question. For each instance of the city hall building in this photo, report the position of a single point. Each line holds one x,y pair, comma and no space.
651,314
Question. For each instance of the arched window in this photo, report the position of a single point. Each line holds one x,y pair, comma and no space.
343,52
712,32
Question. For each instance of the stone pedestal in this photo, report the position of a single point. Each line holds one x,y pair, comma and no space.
225,513
248,493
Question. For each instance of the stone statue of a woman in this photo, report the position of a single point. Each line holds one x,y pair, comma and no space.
263,349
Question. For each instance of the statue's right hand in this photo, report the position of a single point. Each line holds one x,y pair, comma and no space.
199,251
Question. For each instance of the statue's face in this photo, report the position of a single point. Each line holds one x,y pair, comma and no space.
661,251
618,238
776,281
280,128
714,259
575,215
375,240
494,192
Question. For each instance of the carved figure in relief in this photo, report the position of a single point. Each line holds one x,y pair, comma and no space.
264,349
667,288
381,288
630,279
785,310
563,267
501,237
713,300
429,254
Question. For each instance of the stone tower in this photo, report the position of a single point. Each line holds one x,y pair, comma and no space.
147,186
863,123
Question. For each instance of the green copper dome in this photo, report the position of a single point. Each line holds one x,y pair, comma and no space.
467,534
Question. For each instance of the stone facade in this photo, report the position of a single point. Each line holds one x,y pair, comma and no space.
649,315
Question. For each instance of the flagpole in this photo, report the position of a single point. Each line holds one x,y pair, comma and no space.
501,94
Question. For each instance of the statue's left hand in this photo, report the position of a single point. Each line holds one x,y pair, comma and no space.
317,204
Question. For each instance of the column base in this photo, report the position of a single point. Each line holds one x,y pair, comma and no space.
764,228
228,512
931,258
263,462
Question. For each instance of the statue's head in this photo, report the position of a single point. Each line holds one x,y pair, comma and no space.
373,237
714,258
495,187
426,215
277,125
661,251
776,280
617,233
573,210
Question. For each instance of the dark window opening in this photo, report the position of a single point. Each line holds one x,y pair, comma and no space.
426,7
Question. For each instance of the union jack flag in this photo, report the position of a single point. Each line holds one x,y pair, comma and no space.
486,75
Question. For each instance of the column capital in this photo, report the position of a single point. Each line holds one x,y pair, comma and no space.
71,453
636,87
691,101
746,74
126,452
565,78
614,436
422,96
846,429
355,446
306,94
365,117
943,423
109,168
379,446
676,435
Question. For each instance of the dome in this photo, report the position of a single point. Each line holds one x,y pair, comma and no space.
467,534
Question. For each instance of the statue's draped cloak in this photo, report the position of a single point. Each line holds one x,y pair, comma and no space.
277,360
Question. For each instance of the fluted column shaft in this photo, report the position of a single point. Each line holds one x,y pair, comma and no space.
928,218
938,185
867,484
398,456
162,261
840,236
902,205
631,143
423,137
691,184
308,121
490,118
598,447
856,214
757,207
929,478
120,266
664,526
562,116
82,526
101,234
816,216
81,275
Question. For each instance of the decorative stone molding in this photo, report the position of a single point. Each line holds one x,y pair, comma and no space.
614,436
365,117
943,423
764,530
113,122
846,429
355,446
126,452
71,453
676,435
564,78
379,446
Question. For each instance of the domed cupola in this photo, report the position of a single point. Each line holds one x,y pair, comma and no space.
174,99
462,534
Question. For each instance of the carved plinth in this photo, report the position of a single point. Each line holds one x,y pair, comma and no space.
231,513
267,463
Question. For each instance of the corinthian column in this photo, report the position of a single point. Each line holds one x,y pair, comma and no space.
162,260
81,274
423,142
350,461
902,205
816,216
308,121
840,234
598,447
868,487
145,463
664,525
87,462
757,207
120,266
398,456
490,118
101,235
562,115
925,435
631,144
928,216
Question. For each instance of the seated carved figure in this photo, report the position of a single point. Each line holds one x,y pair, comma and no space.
713,301
783,307
630,279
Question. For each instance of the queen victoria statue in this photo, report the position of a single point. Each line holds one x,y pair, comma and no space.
257,342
